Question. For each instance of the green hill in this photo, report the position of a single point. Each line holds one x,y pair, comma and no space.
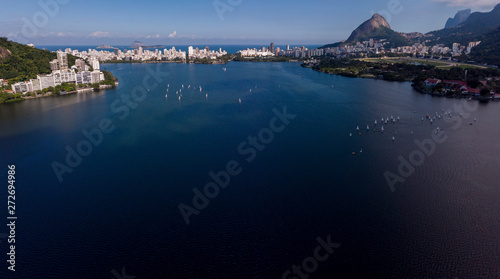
489,49
20,62
477,24
377,28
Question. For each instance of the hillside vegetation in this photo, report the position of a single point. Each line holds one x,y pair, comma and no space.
20,62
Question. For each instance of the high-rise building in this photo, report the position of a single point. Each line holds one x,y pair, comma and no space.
207,49
54,65
271,48
80,64
190,51
95,64
287,47
62,57
140,50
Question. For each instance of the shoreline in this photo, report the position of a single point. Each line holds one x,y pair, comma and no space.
80,90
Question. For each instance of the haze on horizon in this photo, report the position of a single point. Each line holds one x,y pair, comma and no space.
66,22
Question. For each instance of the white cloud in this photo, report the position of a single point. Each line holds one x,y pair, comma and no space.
470,3
62,34
99,34
173,35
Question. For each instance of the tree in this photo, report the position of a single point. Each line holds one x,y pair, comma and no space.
485,92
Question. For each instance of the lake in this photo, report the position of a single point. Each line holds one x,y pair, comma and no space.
263,166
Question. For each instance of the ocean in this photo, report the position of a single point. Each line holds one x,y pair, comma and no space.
268,168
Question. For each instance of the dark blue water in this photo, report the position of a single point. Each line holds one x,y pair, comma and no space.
228,48
119,206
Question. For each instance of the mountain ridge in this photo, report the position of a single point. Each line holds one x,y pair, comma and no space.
460,17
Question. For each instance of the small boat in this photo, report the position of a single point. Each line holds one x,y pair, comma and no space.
206,95
361,151
179,98
393,138
350,134
411,132
183,86
168,85
398,118
166,95
375,122
382,129
367,127
475,119
250,90
189,86
357,128
239,100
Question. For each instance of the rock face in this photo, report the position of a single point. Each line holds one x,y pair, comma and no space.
459,18
4,53
368,27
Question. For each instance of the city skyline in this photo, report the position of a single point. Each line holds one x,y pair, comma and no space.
64,22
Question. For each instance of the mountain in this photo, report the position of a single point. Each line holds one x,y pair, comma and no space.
106,47
459,18
377,28
489,49
478,23
137,44
368,28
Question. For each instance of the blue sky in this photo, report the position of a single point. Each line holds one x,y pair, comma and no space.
91,22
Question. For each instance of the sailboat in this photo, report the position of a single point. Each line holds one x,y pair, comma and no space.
382,129
375,122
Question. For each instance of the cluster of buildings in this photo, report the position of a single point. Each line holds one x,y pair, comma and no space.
296,52
379,47
206,53
458,86
141,54
371,46
80,73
